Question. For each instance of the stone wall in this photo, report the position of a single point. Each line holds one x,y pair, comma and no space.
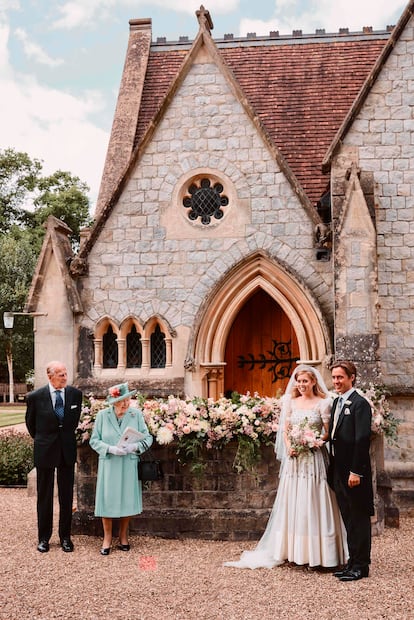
381,140
221,505
151,260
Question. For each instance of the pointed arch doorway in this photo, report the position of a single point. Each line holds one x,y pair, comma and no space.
261,349
290,302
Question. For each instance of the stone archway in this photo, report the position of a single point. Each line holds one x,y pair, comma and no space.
258,272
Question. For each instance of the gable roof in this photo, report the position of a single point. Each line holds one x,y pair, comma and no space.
300,88
203,38
370,80
56,242
297,90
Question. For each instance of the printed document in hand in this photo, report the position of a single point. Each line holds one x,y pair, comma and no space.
130,435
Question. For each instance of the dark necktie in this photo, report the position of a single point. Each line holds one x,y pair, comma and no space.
338,408
59,408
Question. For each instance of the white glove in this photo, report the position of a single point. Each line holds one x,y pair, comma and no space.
117,451
130,447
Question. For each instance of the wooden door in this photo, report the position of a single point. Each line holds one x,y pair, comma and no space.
261,349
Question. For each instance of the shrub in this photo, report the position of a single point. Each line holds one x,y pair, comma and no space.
16,457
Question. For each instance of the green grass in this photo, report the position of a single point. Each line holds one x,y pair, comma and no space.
10,415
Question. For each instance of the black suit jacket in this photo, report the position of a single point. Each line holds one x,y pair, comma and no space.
349,448
50,441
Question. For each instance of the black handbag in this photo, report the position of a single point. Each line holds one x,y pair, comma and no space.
149,469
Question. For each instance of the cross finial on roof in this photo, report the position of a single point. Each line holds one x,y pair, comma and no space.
204,18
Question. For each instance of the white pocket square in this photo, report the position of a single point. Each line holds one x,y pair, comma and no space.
347,412
73,406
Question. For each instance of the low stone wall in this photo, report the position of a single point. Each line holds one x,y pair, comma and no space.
222,505
402,480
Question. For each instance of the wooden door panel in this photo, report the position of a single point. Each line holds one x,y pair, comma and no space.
254,347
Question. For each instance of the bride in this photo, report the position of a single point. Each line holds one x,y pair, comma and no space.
305,526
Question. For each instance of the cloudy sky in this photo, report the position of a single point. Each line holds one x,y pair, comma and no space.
61,61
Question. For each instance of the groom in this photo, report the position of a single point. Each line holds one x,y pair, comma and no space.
350,468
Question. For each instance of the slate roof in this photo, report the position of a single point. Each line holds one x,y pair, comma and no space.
301,88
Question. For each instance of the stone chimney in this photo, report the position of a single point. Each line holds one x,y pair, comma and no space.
127,109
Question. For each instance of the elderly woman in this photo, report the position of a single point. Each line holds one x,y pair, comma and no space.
119,436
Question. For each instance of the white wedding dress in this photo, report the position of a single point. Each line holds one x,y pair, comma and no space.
305,526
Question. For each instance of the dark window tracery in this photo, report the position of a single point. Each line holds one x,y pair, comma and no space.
134,349
205,200
109,349
158,348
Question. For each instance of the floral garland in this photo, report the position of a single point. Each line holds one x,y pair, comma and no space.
205,423
383,420
195,424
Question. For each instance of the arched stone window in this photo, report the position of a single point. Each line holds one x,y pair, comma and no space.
133,349
158,348
109,349
204,199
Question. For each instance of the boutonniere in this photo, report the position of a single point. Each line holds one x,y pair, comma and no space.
348,402
347,411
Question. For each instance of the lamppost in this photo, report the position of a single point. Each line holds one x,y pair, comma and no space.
8,321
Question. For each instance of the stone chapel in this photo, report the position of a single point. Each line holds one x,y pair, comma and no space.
256,209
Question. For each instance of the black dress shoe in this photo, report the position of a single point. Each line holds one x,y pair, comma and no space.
342,572
354,574
67,545
43,546
105,551
123,547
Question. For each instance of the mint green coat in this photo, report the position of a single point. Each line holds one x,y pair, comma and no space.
118,490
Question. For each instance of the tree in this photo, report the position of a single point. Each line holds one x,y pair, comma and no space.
63,196
18,179
26,200
17,263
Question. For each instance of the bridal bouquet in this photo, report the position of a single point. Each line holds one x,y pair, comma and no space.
304,438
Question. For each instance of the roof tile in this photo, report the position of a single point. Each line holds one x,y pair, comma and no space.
301,92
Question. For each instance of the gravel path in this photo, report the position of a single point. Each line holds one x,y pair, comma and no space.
176,580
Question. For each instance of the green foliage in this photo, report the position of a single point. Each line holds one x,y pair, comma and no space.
27,198
63,196
18,178
16,457
17,263
248,455
189,451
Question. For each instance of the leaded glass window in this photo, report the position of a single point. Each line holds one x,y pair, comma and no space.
158,348
204,199
134,349
110,349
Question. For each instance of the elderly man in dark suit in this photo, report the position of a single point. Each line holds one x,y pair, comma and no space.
52,416
350,468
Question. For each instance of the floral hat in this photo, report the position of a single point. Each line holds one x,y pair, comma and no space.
119,392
